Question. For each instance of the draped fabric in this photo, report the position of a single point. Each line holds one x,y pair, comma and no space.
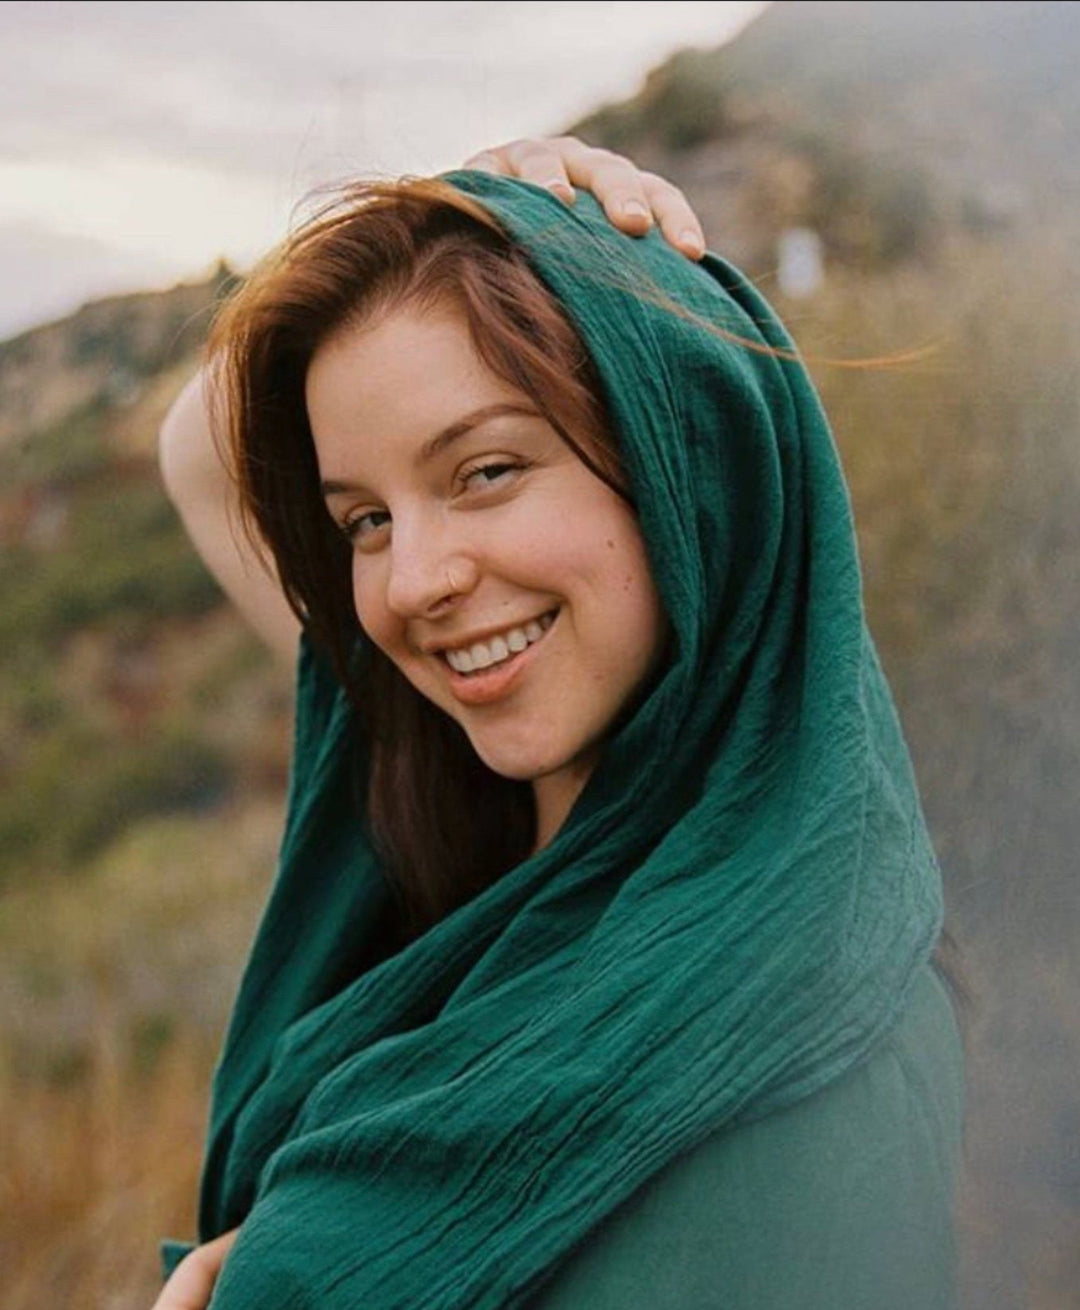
730,918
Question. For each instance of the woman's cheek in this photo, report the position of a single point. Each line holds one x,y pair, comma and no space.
371,617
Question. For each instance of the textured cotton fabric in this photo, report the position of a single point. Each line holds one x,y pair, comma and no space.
841,1201
730,919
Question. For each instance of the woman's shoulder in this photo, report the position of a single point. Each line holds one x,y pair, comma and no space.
841,1201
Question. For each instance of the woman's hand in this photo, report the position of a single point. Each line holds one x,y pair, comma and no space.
193,1279
631,198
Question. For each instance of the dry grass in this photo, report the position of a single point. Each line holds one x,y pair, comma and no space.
96,1169
119,983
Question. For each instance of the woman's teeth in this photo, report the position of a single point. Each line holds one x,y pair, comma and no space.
496,649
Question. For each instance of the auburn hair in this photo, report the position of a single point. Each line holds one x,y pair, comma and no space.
444,823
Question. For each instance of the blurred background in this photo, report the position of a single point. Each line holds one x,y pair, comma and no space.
894,175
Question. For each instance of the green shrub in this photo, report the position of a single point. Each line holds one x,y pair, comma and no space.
683,104
76,789
685,100
63,455
123,562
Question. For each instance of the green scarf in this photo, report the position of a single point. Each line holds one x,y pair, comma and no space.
729,919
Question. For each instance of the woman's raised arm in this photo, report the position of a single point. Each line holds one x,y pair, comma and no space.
205,498
191,466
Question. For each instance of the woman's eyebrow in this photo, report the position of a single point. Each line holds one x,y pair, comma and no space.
438,443
441,440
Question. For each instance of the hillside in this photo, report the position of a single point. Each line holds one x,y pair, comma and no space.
888,127
101,591
935,149
103,355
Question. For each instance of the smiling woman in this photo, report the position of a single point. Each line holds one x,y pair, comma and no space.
465,456
597,972
499,575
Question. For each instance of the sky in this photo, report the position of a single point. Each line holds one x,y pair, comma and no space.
140,142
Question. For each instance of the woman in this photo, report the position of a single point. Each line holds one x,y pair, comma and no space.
596,972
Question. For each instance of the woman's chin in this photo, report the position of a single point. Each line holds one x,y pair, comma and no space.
514,765
554,774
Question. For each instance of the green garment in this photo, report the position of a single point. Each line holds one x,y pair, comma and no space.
731,919
840,1202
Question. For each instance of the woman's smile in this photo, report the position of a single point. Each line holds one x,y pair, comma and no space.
485,672
470,657
505,580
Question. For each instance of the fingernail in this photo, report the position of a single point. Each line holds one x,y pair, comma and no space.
561,188
691,242
634,209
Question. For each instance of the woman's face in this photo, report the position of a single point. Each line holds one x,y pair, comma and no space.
506,581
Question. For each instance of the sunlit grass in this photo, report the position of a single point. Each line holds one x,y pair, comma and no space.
99,1162
116,988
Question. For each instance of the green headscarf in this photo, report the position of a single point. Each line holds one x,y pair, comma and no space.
729,919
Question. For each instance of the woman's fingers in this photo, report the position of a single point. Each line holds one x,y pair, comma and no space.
532,161
561,163
192,1282
632,199
672,211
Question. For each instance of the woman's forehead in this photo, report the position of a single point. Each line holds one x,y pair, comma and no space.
407,378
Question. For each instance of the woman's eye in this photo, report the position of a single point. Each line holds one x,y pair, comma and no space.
364,528
489,475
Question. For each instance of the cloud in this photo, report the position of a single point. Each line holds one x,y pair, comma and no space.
231,85
176,82
47,274
165,134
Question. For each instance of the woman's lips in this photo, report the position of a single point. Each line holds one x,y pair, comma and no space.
483,686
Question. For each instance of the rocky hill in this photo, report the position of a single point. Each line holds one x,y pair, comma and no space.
104,355
888,127
116,652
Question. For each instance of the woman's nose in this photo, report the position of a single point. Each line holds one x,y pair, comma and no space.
428,571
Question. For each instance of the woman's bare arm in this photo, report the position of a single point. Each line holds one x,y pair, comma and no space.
206,499
191,466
